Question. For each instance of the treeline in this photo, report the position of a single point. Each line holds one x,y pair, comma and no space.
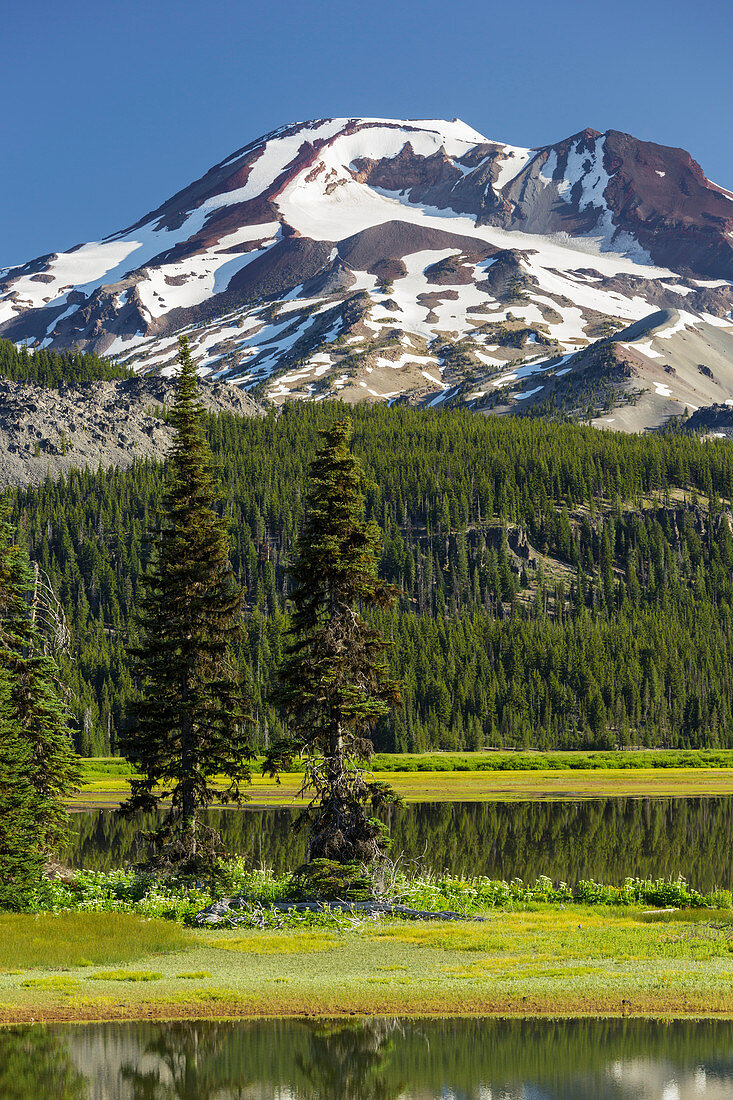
51,368
563,587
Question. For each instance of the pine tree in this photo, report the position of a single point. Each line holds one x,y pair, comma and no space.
190,723
333,682
34,695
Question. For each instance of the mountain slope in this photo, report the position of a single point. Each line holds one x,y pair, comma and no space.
386,259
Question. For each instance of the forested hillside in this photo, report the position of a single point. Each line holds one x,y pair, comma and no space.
563,587
51,368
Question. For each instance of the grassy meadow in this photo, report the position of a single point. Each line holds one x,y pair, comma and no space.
480,777
578,960
109,952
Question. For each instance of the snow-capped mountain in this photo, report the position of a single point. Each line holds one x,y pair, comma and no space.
381,259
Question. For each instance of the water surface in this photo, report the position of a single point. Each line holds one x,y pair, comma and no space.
606,839
376,1059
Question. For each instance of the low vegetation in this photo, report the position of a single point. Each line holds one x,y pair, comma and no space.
112,768
76,939
536,959
178,900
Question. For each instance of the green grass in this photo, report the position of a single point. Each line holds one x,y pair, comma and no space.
61,940
482,777
272,943
490,761
551,959
54,982
553,761
104,767
125,976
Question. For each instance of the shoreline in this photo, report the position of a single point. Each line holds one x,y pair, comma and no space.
199,1014
554,785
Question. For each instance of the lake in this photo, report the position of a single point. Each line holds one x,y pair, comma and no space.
374,1059
605,839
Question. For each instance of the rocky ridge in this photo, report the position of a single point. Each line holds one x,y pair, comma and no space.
45,432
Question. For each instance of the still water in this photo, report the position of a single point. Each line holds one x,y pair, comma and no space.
377,1059
606,840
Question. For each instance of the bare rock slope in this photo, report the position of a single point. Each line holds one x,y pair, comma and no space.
46,432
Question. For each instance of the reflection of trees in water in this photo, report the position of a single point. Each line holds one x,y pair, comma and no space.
375,1059
349,1062
35,1064
557,1059
607,839
102,840
192,1061
198,1061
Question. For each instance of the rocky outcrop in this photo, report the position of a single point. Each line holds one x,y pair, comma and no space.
47,432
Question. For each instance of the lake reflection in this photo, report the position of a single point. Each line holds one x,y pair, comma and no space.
376,1059
606,840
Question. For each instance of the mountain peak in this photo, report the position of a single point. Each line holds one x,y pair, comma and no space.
334,233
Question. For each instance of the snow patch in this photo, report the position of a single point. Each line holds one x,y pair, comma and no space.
397,364
511,165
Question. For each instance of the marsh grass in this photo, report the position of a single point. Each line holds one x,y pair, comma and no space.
554,959
216,995
547,937
688,916
125,976
485,777
83,939
112,767
60,983
280,943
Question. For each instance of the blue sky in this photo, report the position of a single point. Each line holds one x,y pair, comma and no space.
109,108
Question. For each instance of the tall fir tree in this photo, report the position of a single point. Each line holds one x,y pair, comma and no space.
37,710
21,839
333,684
191,722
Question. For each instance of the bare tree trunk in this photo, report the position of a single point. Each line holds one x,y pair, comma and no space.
188,798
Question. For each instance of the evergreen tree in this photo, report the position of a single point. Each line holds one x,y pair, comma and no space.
333,682
190,723
36,710
21,841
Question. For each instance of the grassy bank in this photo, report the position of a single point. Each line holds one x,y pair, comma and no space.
99,948
105,767
482,777
577,960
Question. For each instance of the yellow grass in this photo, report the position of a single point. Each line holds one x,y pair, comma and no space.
58,940
550,786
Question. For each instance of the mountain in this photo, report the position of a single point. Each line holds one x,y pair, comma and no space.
417,260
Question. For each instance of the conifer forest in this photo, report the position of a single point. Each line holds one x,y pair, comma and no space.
561,587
